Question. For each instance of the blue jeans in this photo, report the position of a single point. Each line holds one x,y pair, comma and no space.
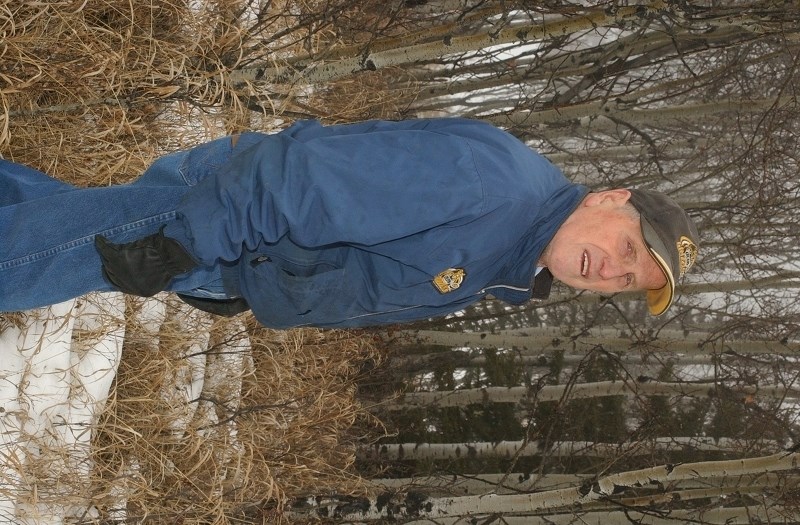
47,227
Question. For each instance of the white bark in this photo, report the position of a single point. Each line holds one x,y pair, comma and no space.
536,358
781,461
512,483
544,339
187,377
428,34
715,516
598,115
516,482
57,371
508,449
681,149
563,500
325,72
680,41
498,394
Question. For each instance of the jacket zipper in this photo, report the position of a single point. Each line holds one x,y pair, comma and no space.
515,288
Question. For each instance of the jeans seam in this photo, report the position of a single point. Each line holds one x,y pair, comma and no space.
184,172
32,257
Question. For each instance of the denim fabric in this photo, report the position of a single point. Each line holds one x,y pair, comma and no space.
47,227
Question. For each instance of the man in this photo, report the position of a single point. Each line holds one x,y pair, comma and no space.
340,226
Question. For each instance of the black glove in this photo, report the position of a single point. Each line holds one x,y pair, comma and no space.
144,267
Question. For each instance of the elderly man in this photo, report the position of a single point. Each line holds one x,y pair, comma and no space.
340,226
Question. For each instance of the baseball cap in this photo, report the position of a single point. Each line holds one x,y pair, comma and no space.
672,239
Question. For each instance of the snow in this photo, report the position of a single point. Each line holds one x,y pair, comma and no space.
56,373
58,365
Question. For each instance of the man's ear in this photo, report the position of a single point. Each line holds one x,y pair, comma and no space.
616,197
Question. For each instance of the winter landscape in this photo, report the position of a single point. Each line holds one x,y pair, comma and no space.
580,409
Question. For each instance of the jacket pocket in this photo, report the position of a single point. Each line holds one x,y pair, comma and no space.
307,288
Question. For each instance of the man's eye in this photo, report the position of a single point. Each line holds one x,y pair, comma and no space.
630,248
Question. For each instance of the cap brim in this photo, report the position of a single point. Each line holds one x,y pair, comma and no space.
669,223
658,301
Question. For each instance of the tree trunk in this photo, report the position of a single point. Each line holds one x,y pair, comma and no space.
509,449
415,505
603,116
520,394
544,339
448,45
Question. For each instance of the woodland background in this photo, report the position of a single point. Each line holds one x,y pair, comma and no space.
581,409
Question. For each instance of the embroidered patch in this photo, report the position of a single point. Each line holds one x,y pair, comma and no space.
687,253
449,280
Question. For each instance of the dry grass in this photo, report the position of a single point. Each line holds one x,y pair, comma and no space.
268,425
370,95
92,92
208,420
70,72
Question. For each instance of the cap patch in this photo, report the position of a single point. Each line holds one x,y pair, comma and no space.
449,279
687,253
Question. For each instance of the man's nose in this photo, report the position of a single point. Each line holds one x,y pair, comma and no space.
612,269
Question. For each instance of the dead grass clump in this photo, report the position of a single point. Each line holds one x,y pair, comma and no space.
92,92
69,72
307,378
84,85
218,421
13,320
370,95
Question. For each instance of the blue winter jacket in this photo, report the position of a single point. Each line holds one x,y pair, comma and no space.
377,222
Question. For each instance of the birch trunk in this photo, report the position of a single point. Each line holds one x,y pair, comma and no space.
448,45
468,396
428,34
539,359
57,371
717,516
512,483
545,339
516,482
635,50
415,505
601,116
509,449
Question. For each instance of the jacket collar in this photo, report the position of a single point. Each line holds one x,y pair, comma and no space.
519,273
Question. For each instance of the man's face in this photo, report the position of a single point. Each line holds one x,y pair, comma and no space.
600,248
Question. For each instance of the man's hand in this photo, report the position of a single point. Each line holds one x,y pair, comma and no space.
144,267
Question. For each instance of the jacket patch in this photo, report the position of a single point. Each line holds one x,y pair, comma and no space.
449,280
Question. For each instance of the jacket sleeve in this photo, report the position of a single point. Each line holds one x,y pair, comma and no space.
347,185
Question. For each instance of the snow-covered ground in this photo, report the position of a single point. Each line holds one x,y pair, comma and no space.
58,365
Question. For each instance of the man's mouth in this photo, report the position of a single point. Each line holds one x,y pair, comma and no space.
585,265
